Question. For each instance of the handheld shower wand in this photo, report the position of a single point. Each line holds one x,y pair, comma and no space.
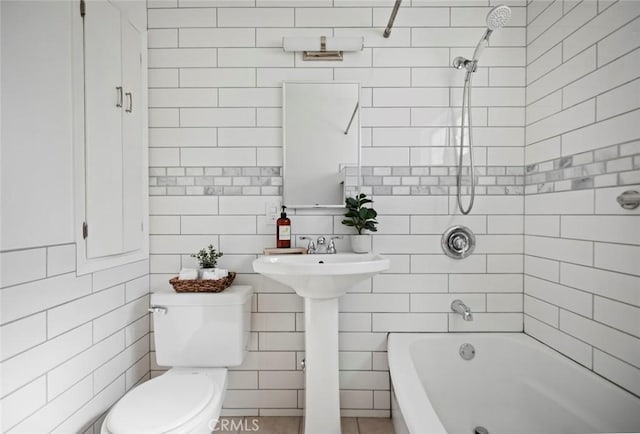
496,18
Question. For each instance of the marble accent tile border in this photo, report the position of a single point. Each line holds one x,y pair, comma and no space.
215,181
267,181
441,180
606,167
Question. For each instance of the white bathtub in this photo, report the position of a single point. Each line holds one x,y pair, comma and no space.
514,384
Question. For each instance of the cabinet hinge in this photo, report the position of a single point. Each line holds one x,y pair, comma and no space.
83,8
85,230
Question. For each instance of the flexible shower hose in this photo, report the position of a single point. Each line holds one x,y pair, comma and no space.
466,98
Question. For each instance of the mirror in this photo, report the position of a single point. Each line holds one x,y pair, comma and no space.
321,138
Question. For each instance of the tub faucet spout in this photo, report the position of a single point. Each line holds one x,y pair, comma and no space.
459,307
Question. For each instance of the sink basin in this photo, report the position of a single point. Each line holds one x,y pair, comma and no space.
320,276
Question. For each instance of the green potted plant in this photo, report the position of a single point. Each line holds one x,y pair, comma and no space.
363,219
207,258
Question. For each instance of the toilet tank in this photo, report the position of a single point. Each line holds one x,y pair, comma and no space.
202,329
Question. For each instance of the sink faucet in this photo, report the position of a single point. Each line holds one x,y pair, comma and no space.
321,246
459,307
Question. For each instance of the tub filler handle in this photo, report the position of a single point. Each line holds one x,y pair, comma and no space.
458,242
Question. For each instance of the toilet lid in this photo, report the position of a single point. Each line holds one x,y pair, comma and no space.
162,404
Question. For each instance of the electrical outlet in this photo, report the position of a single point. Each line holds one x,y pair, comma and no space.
272,212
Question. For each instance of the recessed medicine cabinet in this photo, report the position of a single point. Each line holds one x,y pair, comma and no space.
321,132
111,137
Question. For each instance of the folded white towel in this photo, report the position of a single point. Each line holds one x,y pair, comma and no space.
215,274
209,275
188,274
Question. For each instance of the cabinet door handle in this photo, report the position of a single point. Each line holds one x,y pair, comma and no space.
119,91
130,97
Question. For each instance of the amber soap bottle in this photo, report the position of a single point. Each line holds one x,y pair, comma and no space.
283,230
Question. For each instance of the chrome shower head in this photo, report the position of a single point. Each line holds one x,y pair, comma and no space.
498,17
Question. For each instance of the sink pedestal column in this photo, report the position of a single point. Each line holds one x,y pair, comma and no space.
322,388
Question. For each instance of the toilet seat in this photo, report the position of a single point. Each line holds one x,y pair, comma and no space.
180,399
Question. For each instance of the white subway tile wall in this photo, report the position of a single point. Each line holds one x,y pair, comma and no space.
70,345
582,250
216,147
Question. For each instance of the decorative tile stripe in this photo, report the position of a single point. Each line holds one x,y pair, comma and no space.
441,180
215,181
606,167
267,181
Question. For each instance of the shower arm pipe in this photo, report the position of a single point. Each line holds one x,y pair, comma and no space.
355,110
392,18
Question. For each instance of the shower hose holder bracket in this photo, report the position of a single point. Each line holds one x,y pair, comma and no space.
464,63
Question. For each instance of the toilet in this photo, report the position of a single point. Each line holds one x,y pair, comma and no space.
198,335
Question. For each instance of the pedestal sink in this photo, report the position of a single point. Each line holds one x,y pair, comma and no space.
321,280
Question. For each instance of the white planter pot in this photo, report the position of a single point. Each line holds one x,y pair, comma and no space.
361,243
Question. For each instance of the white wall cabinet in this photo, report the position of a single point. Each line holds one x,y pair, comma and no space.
114,163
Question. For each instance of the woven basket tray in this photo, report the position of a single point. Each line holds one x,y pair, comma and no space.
199,285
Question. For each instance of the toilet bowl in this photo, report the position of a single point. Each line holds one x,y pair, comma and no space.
199,336
180,401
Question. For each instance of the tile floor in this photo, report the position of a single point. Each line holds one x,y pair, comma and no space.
294,425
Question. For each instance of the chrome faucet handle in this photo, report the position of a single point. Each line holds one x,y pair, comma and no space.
311,247
332,246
